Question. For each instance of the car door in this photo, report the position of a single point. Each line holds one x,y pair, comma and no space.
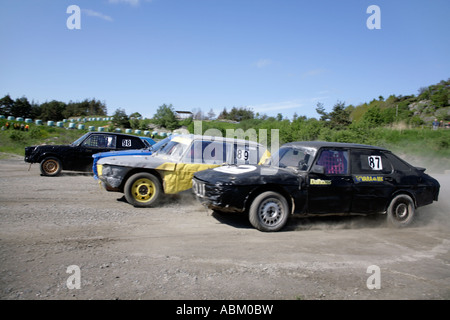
329,182
372,173
95,143
200,155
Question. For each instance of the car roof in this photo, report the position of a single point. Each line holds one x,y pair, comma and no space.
215,138
322,144
114,133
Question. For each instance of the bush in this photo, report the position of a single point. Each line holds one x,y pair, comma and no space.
38,133
17,136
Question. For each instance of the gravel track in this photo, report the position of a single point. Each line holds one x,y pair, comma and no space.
181,250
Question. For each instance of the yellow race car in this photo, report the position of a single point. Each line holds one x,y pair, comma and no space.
145,178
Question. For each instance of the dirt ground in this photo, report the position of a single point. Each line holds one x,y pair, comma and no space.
181,250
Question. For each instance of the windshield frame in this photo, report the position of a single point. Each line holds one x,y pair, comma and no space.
80,140
173,149
277,157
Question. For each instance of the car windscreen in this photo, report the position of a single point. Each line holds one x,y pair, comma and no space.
293,157
173,149
159,145
79,140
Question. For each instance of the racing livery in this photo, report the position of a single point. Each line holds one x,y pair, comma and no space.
318,178
145,178
78,155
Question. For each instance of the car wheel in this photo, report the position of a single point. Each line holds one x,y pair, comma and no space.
142,189
401,211
50,166
269,211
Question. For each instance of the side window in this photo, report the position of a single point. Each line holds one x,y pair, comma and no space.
210,152
370,162
334,161
291,158
100,141
111,141
214,153
397,163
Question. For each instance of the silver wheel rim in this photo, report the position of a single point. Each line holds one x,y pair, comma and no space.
270,212
402,211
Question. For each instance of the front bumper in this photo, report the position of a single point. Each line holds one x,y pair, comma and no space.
30,155
219,197
111,177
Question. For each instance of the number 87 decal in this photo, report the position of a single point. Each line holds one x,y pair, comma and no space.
375,162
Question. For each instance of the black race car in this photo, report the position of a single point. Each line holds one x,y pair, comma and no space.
78,155
318,178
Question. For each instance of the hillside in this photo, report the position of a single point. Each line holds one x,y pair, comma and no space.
432,102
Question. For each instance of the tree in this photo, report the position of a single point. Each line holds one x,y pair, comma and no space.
165,117
279,117
320,109
120,118
211,114
52,110
197,114
85,108
223,115
338,118
21,108
6,105
373,117
240,114
440,98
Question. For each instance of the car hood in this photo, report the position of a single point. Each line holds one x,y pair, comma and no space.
134,152
135,161
49,147
248,175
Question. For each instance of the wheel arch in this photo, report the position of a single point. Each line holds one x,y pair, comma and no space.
269,187
140,170
50,155
409,193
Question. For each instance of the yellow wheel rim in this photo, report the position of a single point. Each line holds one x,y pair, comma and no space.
143,190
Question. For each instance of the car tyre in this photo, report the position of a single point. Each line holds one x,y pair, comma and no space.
269,211
50,166
401,211
142,189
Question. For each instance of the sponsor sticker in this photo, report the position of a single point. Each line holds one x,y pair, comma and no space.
368,178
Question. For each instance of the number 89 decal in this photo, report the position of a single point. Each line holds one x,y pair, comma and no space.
242,154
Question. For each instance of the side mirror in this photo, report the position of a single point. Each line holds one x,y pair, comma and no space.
318,169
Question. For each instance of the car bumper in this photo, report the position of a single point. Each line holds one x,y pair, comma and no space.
30,155
222,198
111,177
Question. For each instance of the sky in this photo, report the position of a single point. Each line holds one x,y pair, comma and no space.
270,56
